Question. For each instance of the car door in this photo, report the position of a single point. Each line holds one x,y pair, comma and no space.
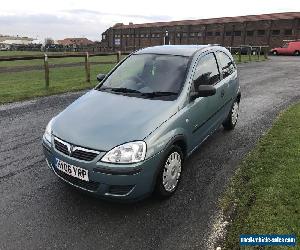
203,109
229,81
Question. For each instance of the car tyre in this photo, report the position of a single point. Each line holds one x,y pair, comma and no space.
170,173
275,53
232,117
297,53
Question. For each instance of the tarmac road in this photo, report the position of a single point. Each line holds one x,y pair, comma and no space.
38,211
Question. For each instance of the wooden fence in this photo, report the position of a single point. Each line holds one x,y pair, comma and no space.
46,57
250,51
239,51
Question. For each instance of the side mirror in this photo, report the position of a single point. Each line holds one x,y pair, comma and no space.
203,91
100,77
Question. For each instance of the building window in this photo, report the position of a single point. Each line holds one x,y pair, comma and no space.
237,33
137,35
199,34
261,32
275,32
147,35
288,32
184,34
218,33
178,35
228,33
250,33
142,35
209,33
153,35
192,34
103,37
158,35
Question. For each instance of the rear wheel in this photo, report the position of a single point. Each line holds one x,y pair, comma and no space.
170,173
275,53
297,53
232,117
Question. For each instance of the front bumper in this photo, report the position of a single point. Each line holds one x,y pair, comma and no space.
106,180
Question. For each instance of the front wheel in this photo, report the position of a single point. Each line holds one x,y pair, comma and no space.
297,53
170,173
232,117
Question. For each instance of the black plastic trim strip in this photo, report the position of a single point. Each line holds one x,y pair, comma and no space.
120,171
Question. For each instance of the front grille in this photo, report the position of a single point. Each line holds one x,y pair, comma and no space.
89,185
61,147
120,190
83,155
75,151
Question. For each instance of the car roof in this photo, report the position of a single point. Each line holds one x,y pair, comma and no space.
178,50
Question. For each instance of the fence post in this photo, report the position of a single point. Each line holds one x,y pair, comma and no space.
250,54
266,53
87,68
118,56
240,54
258,54
46,66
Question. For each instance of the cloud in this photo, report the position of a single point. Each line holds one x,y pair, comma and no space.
47,25
154,18
68,23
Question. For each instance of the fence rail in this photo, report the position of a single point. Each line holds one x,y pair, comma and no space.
46,58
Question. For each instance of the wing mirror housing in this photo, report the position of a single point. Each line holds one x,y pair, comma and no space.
203,91
100,77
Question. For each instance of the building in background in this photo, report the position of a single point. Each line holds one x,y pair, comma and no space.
75,42
267,29
18,43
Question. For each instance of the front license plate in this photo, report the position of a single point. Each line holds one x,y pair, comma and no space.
72,170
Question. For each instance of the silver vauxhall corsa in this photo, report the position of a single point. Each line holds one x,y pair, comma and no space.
130,135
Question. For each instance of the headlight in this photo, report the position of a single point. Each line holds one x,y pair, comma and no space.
127,153
48,131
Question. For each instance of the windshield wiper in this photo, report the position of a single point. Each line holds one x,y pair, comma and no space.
159,93
121,90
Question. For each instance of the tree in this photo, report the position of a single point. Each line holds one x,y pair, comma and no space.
49,41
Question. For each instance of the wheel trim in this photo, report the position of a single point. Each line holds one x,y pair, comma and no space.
172,171
234,113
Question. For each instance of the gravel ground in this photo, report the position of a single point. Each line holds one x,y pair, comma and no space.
40,212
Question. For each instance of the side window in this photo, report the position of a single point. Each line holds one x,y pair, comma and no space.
207,70
227,66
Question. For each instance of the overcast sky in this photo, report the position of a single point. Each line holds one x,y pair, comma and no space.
89,18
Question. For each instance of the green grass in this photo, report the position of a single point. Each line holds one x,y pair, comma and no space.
265,190
20,53
26,85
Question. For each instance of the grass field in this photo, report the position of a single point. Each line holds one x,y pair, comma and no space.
29,83
266,189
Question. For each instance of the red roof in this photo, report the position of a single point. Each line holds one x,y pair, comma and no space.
75,41
264,17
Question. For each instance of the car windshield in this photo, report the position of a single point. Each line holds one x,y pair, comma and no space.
148,75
